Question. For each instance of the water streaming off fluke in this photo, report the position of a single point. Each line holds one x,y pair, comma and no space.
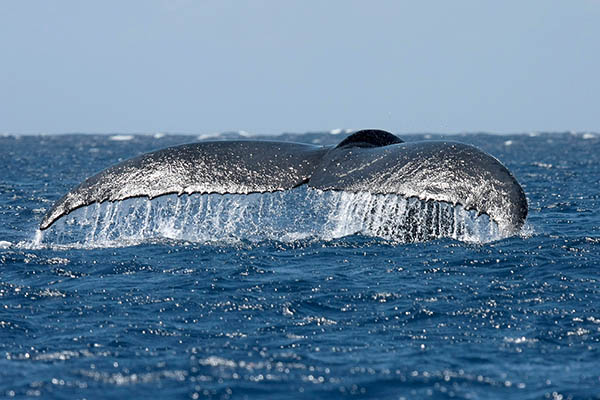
302,213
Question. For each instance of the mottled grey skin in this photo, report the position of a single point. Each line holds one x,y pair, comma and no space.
370,161
451,172
209,167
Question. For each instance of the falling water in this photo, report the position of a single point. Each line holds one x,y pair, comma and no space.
285,216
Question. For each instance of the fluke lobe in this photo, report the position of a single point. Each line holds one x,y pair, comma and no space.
371,161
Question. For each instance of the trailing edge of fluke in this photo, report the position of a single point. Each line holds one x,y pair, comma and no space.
371,161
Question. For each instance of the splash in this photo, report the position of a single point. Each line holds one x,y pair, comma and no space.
302,213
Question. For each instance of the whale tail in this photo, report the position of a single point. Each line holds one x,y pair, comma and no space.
368,161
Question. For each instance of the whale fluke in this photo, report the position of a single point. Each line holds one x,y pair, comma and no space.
451,172
371,161
222,167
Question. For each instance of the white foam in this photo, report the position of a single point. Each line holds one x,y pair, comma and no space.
4,244
121,138
212,135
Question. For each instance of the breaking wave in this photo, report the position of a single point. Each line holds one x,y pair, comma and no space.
302,213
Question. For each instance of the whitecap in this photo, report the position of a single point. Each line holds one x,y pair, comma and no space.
121,138
212,135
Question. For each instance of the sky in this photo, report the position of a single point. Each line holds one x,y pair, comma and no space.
268,67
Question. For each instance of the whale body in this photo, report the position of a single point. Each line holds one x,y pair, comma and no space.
372,161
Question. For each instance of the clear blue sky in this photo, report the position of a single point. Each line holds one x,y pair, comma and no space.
295,66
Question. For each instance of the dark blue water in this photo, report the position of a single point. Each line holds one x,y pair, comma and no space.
307,316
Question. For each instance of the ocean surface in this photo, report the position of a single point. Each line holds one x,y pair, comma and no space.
240,297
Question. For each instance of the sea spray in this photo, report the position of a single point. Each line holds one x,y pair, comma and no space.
302,213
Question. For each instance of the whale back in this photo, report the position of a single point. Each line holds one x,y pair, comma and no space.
370,138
